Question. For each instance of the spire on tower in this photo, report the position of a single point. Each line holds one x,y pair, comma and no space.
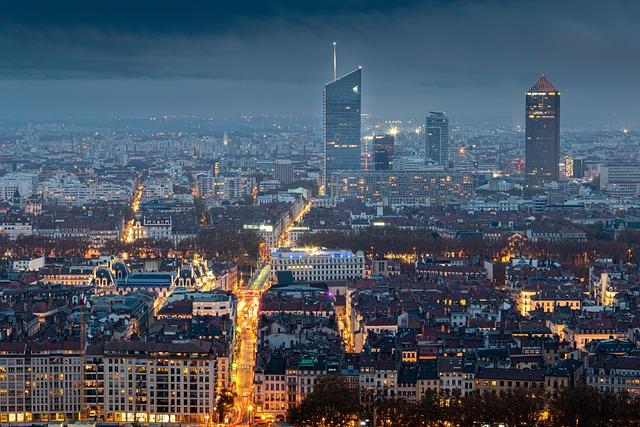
335,62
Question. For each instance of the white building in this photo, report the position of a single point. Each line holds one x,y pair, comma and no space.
65,188
318,265
15,227
621,181
22,182
213,304
153,228
28,264
157,188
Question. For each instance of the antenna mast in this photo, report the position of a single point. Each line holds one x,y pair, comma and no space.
335,62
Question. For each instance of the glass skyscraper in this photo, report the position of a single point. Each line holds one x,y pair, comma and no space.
383,147
437,137
341,124
542,145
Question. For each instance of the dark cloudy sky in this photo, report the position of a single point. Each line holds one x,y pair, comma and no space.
472,58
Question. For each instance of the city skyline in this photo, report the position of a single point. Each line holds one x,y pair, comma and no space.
207,219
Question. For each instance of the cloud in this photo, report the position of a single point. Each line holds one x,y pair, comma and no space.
473,57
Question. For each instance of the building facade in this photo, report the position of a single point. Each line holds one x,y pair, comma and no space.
402,187
318,265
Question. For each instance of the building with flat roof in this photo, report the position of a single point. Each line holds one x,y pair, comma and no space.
402,187
542,145
317,264
437,137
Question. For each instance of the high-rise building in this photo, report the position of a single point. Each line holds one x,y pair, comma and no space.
283,171
341,123
578,167
437,137
542,147
383,147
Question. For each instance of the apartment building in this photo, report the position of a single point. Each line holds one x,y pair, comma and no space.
40,381
159,382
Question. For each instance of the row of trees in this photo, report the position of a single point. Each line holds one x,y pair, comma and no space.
391,240
241,247
333,403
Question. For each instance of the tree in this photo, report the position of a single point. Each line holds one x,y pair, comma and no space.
332,403
520,408
224,404
576,407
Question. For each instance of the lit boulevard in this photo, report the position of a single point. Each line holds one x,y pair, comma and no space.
127,232
286,240
245,351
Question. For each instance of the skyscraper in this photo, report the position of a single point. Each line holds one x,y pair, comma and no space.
383,146
341,124
542,146
437,137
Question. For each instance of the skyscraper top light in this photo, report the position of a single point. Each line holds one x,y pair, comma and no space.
341,123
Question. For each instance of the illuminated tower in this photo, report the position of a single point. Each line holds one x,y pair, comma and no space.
542,146
341,123
437,137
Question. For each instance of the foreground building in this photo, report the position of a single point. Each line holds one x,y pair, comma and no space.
119,381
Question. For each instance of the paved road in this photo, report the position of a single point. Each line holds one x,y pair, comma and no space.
247,326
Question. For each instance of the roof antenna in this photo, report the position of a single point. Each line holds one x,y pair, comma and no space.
335,62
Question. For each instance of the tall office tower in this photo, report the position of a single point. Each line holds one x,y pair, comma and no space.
283,171
341,124
542,146
578,167
383,146
437,137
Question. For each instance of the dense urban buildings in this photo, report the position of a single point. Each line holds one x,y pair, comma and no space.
361,266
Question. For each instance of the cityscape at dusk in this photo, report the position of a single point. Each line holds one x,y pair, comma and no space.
320,213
